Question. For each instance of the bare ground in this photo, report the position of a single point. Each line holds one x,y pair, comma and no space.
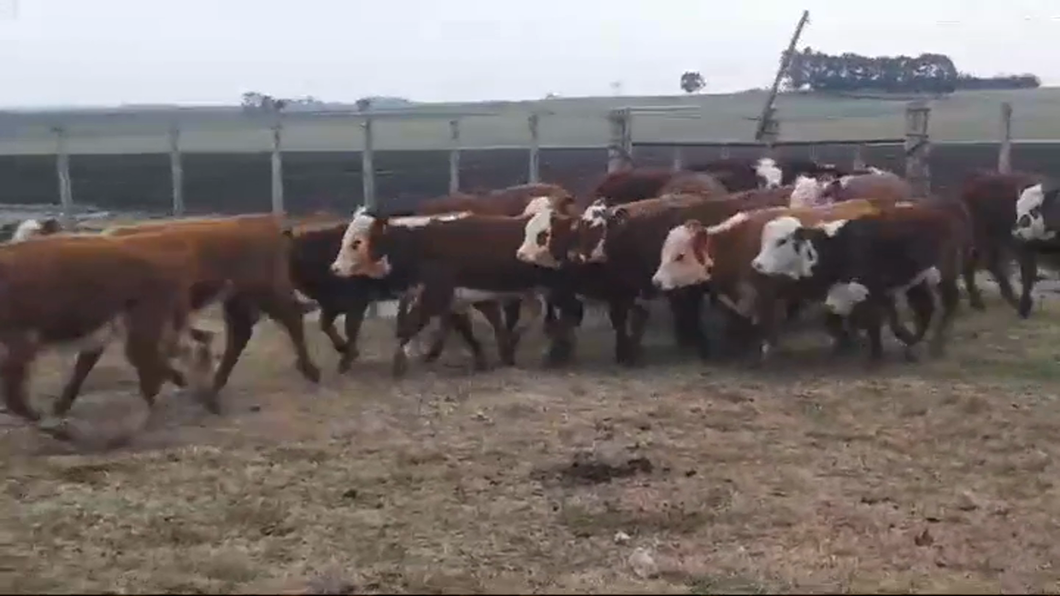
809,476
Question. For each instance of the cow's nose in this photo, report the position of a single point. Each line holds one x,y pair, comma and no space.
336,269
756,265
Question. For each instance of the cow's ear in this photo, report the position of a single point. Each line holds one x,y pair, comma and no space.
380,223
800,235
619,215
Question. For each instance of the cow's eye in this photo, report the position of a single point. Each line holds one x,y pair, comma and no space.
355,244
782,242
1036,211
679,258
542,238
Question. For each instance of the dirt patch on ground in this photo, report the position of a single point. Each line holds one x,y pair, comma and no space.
677,477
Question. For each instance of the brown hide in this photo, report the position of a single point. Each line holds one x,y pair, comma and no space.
507,201
887,186
65,287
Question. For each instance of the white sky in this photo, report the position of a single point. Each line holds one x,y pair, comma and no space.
106,52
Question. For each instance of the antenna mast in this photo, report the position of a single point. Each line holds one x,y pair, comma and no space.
766,120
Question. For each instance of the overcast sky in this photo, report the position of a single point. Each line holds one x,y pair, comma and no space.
107,52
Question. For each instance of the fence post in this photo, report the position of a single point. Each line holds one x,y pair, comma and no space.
1004,156
770,131
620,145
367,166
725,151
859,157
533,174
678,162
277,167
62,168
917,147
176,171
454,156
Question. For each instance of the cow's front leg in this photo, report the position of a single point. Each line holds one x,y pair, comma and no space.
618,313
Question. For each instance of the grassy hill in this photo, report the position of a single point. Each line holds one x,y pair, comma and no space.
573,122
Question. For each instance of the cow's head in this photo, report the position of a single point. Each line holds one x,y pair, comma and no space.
562,204
791,250
685,259
592,229
1037,213
547,238
361,251
769,173
808,192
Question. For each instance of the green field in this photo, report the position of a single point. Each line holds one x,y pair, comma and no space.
574,122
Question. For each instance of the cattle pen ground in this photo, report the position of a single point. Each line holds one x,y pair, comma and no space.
806,475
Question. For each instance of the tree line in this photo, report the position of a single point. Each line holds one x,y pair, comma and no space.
927,73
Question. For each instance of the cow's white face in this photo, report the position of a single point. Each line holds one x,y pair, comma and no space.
843,297
684,260
1030,221
783,252
807,192
595,221
354,256
769,173
537,239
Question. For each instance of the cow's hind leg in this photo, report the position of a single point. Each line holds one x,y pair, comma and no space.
352,321
14,371
949,297
461,322
968,269
1028,263
86,361
286,310
504,337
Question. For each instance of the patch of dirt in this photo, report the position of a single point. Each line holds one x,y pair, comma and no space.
808,474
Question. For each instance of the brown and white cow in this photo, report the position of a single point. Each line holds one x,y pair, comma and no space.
240,261
1009,219
725,255
442,258
868,260
878,184
136,287
617,249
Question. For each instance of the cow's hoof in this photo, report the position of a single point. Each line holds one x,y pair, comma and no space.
911,354
1025,306
310,371
559,354
400,365
977,303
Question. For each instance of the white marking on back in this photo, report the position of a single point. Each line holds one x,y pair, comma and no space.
537,205
418,221
768,170
831,228
877,171
807,192
729,223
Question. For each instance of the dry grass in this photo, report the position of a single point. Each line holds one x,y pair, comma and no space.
814,476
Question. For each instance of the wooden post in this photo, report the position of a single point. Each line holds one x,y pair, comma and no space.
859,157
770,131
1004,156
277,168
533,174
176,171
454,156
367,166
678,160
917,147
62,168
620,145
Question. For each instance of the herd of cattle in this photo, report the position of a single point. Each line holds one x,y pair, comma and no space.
756,239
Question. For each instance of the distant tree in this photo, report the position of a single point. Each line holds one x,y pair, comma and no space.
254,101
692,82
926,73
